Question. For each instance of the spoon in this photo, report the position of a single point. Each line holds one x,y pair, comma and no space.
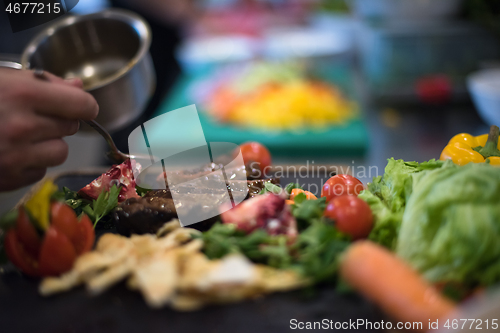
114,153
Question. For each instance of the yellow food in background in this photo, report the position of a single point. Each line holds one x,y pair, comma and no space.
293,106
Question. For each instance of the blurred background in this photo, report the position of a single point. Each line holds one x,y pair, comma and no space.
332,82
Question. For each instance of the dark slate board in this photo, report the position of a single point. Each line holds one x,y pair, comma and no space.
122,310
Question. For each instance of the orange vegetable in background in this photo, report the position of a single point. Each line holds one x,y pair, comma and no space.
392,284
222,102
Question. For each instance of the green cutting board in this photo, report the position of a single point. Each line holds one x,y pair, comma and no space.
348,140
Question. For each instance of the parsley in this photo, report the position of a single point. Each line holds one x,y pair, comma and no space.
105,203
315,253
259,246
291,186
306,211
141,191
271,188
95,209
319,248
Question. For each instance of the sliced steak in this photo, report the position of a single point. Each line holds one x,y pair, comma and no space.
149,213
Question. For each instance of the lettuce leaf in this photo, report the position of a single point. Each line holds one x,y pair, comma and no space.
387,222
387,196
450,230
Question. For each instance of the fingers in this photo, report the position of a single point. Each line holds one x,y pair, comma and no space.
52,128
46,153
64,101
26,126
53,96
31,176
73,82
33,155
21,179
34,115
27,163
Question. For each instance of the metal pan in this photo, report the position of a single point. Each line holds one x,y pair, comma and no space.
109,51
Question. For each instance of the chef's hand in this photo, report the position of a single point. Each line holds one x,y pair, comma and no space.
34,117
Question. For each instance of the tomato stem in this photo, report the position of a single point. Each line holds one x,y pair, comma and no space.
491,146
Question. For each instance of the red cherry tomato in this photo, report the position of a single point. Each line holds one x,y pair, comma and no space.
341,185
254,152
63,218
27,234
54,252
352,215
79,232
57,254
18,255
86,234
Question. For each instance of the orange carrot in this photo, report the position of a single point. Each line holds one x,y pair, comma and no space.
289,202
310,196
392,284
296,191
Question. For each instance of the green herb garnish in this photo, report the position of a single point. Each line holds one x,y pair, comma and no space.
105,203
95,209
291,186
271,188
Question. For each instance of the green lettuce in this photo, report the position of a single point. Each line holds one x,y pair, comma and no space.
387,196
450,229
387,222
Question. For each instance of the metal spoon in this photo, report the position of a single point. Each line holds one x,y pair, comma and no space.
114,153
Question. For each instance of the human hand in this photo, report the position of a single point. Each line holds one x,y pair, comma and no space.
34,117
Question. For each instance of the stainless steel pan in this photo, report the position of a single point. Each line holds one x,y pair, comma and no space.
109,51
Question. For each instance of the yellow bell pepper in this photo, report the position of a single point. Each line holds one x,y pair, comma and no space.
39,204
464,148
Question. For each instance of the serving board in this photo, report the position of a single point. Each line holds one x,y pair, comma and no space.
122,310
350,139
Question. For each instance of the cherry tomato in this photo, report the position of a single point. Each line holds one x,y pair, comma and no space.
54,252
341,185
79,232
18,255
27,234
254,152
63,218
86,235
352,215
57,254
